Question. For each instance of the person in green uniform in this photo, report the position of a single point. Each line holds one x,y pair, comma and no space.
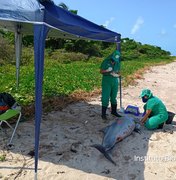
110,70
155,111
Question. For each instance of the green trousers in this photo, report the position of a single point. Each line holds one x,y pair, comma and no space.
109,90
154,121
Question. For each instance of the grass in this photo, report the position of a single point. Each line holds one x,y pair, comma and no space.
2,158
66,83
132,70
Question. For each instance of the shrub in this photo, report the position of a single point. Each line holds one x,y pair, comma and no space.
65,57
7,53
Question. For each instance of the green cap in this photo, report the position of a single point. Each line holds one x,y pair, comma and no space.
146,92
115,55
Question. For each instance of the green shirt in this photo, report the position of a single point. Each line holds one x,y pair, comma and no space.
156,105
107,63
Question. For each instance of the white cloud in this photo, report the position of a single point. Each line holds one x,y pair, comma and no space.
163,32
137,25
107,22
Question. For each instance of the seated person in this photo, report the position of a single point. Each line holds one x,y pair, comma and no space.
155,111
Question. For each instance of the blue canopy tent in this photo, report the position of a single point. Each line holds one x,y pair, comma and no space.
42,19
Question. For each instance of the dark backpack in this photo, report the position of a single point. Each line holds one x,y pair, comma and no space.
7,98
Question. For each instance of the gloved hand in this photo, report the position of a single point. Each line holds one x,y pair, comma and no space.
114,74
109,69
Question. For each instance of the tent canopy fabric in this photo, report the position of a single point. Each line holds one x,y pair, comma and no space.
43,19
21,15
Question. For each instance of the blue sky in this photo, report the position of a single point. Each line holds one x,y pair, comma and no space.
147,21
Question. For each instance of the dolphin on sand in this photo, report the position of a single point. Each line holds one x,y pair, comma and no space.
115,133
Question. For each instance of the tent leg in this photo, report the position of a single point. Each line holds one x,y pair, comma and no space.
35,178
40,33
18,48
118,47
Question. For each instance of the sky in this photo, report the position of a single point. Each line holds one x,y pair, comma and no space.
147,21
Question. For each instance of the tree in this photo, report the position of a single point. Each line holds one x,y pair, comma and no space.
46,1
64,6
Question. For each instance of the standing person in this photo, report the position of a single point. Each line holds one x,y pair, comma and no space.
155,111
110,70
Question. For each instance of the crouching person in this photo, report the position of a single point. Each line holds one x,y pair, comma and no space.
155,111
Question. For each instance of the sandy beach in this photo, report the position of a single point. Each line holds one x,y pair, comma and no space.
67,135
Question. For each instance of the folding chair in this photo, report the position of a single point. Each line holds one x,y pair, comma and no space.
6,116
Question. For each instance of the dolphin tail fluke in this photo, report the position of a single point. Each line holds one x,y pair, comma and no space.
104,152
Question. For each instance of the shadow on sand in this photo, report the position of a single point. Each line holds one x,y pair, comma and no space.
66,138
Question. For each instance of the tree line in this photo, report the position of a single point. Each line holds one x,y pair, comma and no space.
130,49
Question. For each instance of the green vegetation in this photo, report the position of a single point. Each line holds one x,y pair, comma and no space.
2,158
71,65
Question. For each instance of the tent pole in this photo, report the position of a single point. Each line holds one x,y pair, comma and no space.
18,47
120,78
40,33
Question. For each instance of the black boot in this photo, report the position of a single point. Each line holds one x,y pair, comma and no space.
103,115
160,126
114,110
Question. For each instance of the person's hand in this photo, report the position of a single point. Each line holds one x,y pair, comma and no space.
114,74
109,69
119,74
142,122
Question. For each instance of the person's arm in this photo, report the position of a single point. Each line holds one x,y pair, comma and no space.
102,71
144,119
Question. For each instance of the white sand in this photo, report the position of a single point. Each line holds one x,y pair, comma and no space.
66,136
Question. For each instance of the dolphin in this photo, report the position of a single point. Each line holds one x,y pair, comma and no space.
116,132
